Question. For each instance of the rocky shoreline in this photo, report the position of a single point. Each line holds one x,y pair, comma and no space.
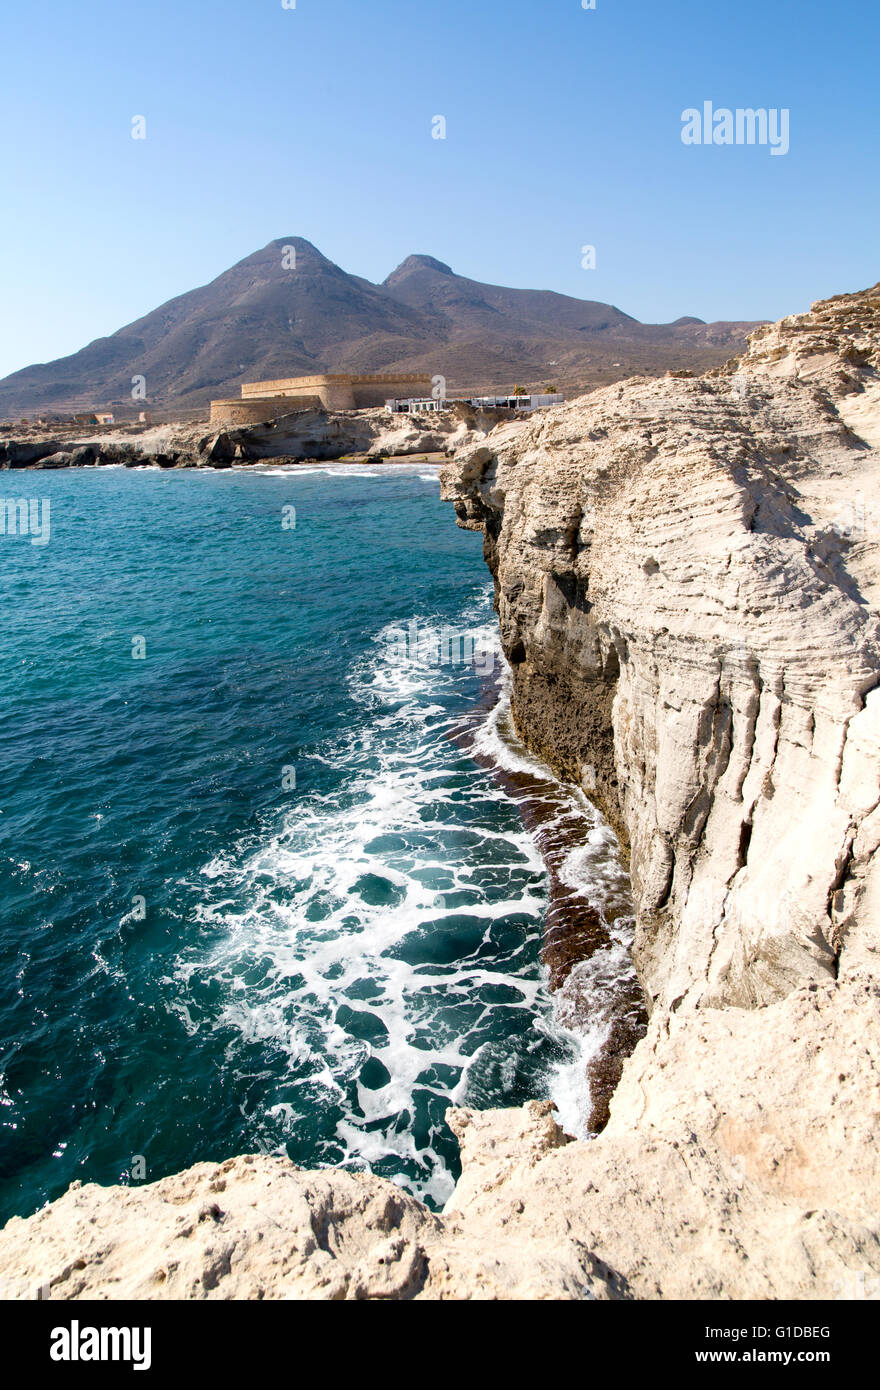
687,577
303,436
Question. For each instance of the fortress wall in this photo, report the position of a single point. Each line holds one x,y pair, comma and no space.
342,390
377,395
282,386
337,395
254,412
376,390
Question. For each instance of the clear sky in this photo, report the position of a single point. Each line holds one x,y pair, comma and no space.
563,129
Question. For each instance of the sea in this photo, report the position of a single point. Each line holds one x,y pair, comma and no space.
257,893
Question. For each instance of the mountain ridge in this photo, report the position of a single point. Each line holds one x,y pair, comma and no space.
287,310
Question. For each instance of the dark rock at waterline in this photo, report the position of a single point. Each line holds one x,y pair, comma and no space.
83,456
20,453
59,460
128,454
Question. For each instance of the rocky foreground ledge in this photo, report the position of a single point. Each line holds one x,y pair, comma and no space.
687,577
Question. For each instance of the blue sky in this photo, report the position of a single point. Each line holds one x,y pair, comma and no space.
563,129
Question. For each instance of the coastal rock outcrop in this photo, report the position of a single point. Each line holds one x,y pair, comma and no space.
327,435
687,577
322,435
686,582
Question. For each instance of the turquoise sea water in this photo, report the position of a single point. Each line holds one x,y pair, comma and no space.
199,958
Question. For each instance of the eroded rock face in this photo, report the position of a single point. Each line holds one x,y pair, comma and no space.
687,584
320,434
691,617
687,578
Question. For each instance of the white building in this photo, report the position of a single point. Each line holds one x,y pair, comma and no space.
415,405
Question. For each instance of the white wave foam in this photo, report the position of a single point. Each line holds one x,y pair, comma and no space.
373,956
335,469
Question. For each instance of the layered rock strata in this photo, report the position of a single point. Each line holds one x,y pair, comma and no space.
686,581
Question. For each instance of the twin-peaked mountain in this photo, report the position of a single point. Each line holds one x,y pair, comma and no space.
279,314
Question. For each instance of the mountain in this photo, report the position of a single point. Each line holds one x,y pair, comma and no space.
261,319
469,307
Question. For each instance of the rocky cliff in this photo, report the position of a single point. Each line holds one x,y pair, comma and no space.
686,578
686,581
687,584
